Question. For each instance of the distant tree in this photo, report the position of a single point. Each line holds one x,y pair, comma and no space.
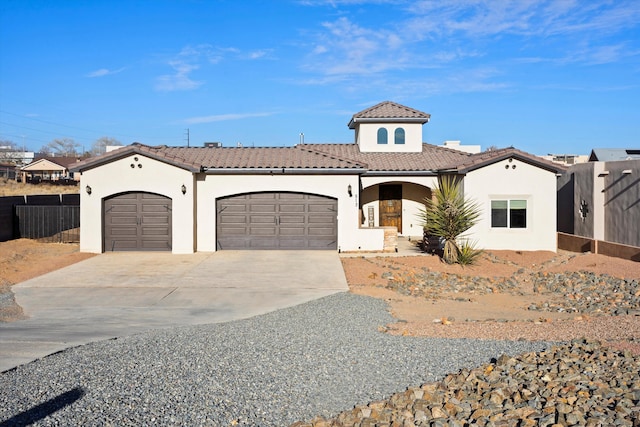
100,145
491,148
6,144
61,147
7,151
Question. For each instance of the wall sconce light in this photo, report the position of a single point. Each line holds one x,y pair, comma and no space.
626,172
88,189
349,191
183,189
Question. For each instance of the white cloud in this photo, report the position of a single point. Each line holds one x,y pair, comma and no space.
347,48
455,34
523,17
223,118
180,79
191,58
103,72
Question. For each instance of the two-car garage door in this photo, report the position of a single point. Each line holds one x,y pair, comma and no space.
276,220
139,221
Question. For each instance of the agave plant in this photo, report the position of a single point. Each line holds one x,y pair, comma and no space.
448,215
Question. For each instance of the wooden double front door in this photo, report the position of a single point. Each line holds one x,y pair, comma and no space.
391,206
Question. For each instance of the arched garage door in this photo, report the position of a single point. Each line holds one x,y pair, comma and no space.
277,220
137,222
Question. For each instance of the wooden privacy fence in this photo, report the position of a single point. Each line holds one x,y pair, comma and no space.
573,243
59,224
41,222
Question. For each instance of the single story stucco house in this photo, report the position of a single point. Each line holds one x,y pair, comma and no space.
49,168
341,197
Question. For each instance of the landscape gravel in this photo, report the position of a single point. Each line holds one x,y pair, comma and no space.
315,359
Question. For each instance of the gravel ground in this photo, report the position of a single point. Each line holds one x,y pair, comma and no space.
318,358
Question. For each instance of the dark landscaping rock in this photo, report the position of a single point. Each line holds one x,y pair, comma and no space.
578,383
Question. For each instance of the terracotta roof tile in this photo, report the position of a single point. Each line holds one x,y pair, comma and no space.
318,156
431,158
198,158
157,153
388,110
262,157
476,161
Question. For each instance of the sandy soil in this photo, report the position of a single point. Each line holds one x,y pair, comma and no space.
499,314
23,259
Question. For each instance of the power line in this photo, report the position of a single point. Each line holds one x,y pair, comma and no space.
88,139
57,124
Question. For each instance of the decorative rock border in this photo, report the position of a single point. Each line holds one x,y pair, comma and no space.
578,383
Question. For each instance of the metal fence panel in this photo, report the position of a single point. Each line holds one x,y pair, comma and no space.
59,224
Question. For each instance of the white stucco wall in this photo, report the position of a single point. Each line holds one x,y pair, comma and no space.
367,138
524,182
350,236
154,177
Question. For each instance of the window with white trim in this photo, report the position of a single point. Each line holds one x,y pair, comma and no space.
398,136
509,213
382,136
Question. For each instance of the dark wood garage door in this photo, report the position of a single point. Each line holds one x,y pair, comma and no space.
277,221
137,222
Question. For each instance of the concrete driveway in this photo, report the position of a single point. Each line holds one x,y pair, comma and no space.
123,293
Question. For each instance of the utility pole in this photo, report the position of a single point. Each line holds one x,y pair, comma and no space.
187,136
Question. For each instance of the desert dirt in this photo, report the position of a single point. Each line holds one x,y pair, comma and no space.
24,259
496,314
493,314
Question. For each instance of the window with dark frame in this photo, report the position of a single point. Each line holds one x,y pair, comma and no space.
509,214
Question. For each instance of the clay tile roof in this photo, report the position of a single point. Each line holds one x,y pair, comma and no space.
476,161
158,153
430,159
197,159
297,157
388,110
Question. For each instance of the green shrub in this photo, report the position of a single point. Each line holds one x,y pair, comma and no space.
468,254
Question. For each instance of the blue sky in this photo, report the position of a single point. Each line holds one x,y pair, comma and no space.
543,76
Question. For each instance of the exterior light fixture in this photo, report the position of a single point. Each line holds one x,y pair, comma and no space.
626,172
349,191
183,189
88,189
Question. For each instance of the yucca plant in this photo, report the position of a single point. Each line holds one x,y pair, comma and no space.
448,215
468,254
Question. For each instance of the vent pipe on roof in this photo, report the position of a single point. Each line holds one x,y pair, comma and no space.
301,138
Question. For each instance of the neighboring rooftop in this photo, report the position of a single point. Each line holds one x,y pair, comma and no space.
457,145
64,161
613,154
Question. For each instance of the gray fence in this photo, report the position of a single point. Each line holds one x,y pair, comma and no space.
8,172
59,224
40,222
